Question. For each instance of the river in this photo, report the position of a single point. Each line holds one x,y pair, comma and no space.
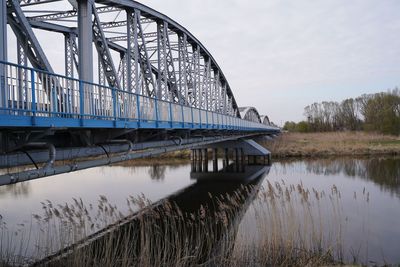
367,206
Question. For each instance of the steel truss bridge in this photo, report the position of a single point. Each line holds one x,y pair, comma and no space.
131,82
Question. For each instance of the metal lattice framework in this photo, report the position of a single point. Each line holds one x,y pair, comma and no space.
265,120
157,57
250,114
130,76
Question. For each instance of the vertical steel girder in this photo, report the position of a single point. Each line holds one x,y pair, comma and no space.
162,79
102,78
206,86
216,91
185,71
71,54
104,52
209,86
132,54
22,73
167,86
224,100
85,40
145,66
196,78
182,80
71,59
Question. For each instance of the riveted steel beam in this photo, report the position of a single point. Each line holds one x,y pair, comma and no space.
35,2
70,14
85,37
145,66
132,53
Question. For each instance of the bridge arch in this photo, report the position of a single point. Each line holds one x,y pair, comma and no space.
250,114
138,49
265,120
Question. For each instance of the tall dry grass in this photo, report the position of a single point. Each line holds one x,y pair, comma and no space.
283,225
332,143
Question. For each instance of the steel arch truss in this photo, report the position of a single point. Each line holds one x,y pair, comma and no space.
156,56
265,120
250,114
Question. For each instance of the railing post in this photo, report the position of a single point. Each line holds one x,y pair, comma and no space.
200,117
170,113
183,117
191,111
81,101
156,109
206,119
33,97
138,109
54,95
114,97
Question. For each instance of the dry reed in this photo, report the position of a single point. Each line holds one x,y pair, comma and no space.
333,143
292,226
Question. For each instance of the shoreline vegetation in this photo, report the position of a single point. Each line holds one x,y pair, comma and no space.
310,145
327,144
291,231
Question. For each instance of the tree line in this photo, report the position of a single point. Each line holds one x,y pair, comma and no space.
378,112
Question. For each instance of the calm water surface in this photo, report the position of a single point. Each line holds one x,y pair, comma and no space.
372,224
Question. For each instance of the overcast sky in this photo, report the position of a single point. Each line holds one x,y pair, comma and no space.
280,56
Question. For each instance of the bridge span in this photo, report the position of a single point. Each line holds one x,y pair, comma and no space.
125,82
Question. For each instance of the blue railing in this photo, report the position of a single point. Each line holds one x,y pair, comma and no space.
31,97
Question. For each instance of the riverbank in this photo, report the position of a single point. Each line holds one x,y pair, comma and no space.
333,144
292,145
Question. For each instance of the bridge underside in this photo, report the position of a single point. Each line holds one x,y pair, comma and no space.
38,152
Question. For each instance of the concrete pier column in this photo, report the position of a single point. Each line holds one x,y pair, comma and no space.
226,158
193,160
199,160
237,155
269,161
241,158
205,160
236,158
215,160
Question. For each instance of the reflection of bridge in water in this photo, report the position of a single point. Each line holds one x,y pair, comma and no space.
156,230
167,93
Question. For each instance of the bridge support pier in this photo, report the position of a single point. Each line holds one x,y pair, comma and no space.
205,159
196,162
226,157
215,159
243,152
